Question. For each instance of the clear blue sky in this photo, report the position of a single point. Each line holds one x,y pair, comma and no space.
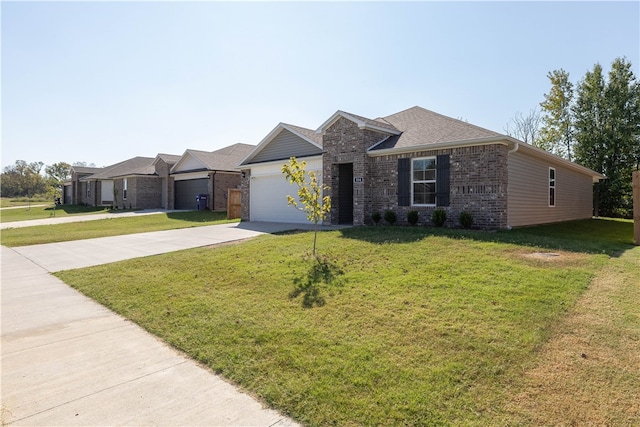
102,82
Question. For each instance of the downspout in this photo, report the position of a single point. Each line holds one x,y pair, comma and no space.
516,145
213,190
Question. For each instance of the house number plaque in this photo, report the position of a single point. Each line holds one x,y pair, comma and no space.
358,179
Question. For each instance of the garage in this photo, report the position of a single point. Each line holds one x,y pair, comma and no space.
187,190
268,194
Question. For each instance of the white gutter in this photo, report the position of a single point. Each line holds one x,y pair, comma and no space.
501,140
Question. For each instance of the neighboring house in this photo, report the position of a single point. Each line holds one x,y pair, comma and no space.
76,189
167,181
207,172
132,183
417,160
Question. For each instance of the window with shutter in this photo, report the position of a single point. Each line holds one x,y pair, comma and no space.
423,181
442,180
404,182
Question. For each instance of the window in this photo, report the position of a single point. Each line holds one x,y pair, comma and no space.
423,181
124,189
88,190
552,187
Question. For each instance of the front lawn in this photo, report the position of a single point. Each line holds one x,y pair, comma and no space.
6,202
407,326
24,213
110,227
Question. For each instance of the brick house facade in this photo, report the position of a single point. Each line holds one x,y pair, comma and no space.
420,160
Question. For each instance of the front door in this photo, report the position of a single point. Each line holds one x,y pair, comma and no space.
345,193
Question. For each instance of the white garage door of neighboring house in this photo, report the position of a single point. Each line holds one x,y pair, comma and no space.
269,190
106,192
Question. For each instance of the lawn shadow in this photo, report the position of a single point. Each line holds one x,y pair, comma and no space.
592,236
197,216
322,273
76,209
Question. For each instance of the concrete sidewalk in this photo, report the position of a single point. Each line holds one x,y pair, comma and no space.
67,360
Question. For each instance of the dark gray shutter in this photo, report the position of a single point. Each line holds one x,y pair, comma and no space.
442,180
404,182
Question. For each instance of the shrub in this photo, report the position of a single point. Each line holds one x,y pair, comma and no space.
412,217
376,217
390,217
439,217
466,219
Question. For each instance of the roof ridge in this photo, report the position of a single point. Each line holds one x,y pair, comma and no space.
449,118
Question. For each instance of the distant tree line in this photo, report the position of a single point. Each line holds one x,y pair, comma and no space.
26,179
595,123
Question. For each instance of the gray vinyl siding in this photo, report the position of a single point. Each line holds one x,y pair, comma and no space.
528,192
286,145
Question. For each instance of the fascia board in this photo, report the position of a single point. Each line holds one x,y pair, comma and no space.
542,154
362,125
279,162
179,162
191,153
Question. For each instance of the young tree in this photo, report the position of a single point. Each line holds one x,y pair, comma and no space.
309,194
57,174
525,128
556,134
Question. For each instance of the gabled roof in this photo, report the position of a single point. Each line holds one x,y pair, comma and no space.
134,166
224,159
85,169
235,149
422,127
308,142
170,159
379,125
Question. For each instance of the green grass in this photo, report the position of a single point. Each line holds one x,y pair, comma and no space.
7,202
109,227
25,213
408,326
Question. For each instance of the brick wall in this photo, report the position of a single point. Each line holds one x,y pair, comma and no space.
244,186
478,178
144,192
478,184
222,182
345,142
82,193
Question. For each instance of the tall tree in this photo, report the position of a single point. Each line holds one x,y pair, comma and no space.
525,128
556,134
57,174
607,131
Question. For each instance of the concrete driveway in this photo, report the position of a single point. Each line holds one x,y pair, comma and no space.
67,360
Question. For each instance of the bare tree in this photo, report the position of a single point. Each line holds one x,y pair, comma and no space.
525,128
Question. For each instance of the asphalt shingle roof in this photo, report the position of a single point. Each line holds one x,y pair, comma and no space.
224,159
85,169
134,166
170,159
420,127
377,122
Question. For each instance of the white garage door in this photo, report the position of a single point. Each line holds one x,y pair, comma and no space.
269,190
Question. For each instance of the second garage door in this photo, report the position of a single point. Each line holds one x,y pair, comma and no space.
186,192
